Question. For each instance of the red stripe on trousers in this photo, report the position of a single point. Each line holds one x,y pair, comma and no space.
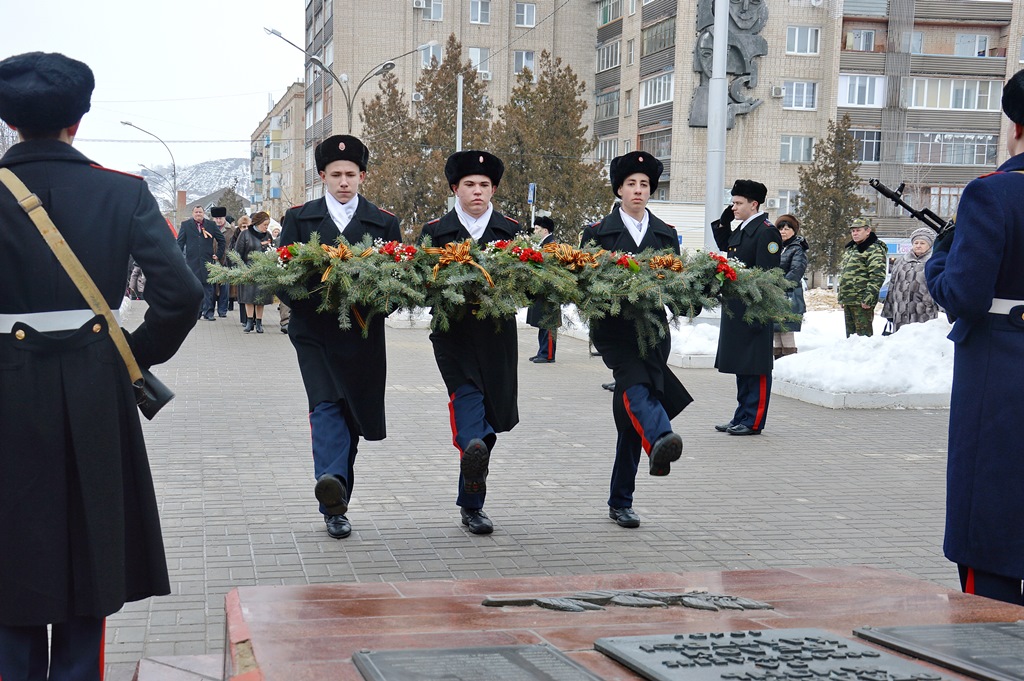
636,425
762,390
969,585
455,428
551,346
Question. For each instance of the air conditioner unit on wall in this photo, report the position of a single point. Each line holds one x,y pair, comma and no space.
771,204
817,3
778,91
419,4
417,96
485,75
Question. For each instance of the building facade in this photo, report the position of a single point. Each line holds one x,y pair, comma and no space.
278,156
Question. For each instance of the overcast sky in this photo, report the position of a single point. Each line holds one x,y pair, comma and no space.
197,73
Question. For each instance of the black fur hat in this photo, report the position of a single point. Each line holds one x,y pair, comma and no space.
545,222
623,166
750,189
341,148
218,212
44,91
1013,98
473,162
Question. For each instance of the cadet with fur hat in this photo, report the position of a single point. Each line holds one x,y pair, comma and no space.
81,533
746,349
477,359
647,394
975,275
344,372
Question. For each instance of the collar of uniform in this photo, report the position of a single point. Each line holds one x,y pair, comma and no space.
613,223
43,150
751,219
317,209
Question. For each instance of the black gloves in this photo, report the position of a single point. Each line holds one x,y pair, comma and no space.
727,217
944,242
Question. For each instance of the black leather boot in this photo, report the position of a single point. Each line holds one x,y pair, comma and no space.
259,326
249,323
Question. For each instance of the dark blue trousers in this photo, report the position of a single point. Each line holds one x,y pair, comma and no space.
223,296
991,585
334,444
753,392
640,420
469,421
208,303
546,339
77,652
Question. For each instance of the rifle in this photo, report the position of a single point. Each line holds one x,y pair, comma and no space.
925,215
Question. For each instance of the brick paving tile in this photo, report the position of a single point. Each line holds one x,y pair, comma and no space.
233,472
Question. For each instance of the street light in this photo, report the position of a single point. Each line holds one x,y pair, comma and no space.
342,81
166,182
174,168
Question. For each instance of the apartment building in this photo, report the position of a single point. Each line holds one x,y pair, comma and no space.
278,155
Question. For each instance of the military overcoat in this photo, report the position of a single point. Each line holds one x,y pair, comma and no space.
615,337
985,471
744,348
543,314
79,530
338,365
481,352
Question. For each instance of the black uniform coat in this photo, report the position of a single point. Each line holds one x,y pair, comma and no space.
484,352
199,248
338,365
746,348
80,532
615,338
543,314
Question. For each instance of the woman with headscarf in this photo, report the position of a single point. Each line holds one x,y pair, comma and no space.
253,239
793,261
908,300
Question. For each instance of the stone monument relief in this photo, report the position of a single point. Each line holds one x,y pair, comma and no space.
746,19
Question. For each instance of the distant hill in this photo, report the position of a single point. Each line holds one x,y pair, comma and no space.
200,179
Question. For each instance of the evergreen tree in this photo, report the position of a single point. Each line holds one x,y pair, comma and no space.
8,138
231,200
542,137
829,201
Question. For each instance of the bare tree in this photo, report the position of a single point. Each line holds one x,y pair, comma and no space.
8,138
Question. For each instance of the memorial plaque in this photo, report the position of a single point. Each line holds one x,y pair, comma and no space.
494,663
768,655
987,651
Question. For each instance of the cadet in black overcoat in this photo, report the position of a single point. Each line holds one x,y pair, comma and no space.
202,242
542,314
79,529
746,349
343,372
477,357
647,393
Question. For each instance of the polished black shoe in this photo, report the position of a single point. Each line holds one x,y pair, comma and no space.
609,386
542,360
740,429
476,520
222,315
625,517
664,451
338,526
723,427
209,318
331,491
284,329
475,459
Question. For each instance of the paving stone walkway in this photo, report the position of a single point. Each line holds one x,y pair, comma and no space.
233,472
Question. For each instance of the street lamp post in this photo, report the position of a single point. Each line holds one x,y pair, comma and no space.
166,182
342,81
174,169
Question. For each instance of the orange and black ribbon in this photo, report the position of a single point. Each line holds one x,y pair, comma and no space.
572,258
457,254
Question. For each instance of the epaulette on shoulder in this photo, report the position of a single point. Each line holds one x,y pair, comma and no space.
434,220
512,219
595,224
994,172
97,166
385,210
297,205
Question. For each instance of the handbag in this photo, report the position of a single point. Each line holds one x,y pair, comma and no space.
150,393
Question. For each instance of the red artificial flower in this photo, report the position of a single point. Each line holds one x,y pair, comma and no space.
285,253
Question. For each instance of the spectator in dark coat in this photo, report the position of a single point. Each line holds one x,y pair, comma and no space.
793,262
908,300
202,242
253,239
542,314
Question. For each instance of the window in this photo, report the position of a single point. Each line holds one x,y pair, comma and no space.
480,11
861,90
429,54
970,45
329,52
957,94
524,60
658,37
310,74
608,56
608,11
630,51
950,148
1020,56
656,90
912,42
869,145
318,20
944,200
607,149
607,106
796,149
861,41
657,144
309,118
627,146
632,7
800,95
318,108
629,102
526,14
802,39
788,200
478,57
434,11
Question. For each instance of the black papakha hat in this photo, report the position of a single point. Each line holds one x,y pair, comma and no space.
473,162
1013,98
341,148
623,166
749,189
44,91
218,212
545,222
